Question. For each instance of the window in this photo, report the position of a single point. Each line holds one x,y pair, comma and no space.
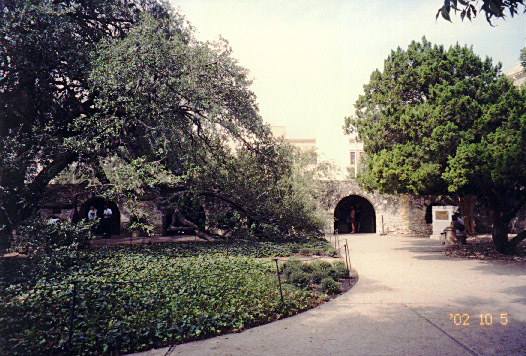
353,158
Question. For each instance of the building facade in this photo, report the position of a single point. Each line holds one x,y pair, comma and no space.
516,75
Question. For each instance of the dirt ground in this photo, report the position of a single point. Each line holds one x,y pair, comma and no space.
101,242
481,247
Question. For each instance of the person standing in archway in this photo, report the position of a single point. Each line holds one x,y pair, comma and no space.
352,218
107,221
357,217
92,217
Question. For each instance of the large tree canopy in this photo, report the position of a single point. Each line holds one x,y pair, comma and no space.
438,121
45,51
126,82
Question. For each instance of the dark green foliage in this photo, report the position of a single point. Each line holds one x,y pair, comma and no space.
321,270
141,299
319,274
439,121
302,273
492,8
277,248
51,248
307,267
299,278
322,265
330,286
339,270
292,265
125,84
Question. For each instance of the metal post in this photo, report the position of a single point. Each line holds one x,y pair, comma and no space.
279,282
346,259
71,317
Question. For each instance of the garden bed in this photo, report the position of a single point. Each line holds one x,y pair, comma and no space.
133,298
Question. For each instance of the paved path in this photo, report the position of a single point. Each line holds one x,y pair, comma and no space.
401,305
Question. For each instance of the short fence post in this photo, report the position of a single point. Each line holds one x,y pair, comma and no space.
71,317
279,282
226,245
347,259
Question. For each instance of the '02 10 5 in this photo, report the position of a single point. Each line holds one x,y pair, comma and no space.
481,319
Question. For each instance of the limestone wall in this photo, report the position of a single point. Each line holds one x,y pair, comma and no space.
402,215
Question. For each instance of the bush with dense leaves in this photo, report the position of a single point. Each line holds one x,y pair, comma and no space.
50,248
330,286
136,298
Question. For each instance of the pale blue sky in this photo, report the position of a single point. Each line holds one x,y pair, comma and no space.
310,58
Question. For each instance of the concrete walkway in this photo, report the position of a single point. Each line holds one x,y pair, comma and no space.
403,304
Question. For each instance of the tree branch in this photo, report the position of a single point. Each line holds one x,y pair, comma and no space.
518,239
188,223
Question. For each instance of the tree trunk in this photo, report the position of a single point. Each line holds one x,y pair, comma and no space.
499,230
466,203
188,223
500,238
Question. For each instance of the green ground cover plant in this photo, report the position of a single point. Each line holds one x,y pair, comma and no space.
131,298
246,248
316,274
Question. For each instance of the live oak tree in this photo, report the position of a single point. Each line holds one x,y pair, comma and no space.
493,9
190,104
45,52
438,121
125,81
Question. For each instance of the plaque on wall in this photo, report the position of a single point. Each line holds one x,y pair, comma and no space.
442,215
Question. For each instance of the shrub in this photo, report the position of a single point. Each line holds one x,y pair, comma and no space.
331,252
321,265
330,286
307,267
306,251
51,247
292,265
339,270
299,278
318,275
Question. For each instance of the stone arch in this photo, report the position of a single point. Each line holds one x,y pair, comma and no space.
429,212
367,216
99,203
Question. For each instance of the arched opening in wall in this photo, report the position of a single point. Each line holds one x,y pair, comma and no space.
365,217
99,203
429,213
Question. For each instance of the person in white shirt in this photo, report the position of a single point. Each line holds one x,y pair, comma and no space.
106,221
92,216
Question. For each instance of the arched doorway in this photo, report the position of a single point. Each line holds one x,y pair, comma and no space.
99,203
367,215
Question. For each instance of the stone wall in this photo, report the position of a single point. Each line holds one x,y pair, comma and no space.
402,215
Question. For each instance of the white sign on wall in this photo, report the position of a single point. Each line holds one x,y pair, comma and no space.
442,216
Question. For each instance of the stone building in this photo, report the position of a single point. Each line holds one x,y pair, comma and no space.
516,75
72,202
401,215
356,154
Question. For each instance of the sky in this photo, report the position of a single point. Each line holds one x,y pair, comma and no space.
309,59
